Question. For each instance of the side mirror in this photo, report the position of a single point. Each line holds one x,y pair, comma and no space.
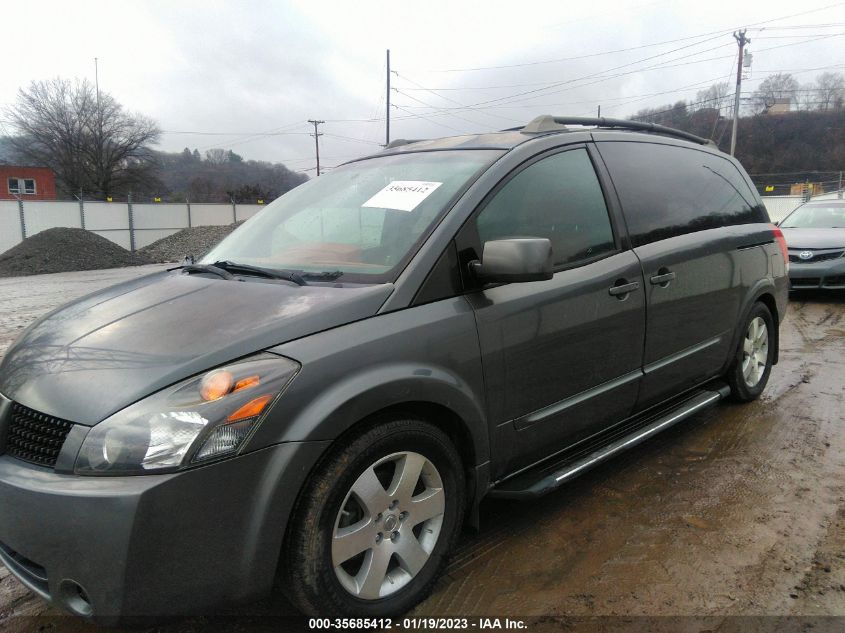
516,259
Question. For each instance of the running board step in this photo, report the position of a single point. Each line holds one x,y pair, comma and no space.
546,477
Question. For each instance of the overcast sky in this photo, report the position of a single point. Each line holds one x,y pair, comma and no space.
216,74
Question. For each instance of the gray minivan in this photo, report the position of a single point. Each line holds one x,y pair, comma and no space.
325,398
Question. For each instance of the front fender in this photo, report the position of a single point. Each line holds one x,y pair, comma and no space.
372,390
425,354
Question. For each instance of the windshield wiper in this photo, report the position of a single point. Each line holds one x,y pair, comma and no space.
205,268
287,275
326,275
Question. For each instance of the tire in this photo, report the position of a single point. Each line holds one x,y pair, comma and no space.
752,364
348,497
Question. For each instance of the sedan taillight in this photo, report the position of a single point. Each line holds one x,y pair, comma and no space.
782,243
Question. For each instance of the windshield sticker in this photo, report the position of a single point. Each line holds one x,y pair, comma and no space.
402,195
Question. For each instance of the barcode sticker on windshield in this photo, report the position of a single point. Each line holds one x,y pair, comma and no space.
402,195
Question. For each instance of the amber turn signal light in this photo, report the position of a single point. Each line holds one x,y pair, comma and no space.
246,383
251,409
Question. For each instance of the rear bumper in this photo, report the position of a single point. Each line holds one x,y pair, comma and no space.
153,545
829,275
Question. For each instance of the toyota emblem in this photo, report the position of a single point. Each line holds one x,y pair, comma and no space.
806,254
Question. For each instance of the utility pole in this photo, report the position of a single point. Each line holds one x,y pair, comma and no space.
387,109
741,41
316,136
598,113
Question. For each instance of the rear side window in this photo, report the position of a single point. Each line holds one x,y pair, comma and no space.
559,198
668,191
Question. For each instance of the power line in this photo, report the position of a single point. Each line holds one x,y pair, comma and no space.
425,118
445,98
514,98
724,31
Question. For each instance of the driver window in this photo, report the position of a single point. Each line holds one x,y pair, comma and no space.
558,198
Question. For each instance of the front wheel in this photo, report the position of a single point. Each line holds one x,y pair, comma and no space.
374,525
752,365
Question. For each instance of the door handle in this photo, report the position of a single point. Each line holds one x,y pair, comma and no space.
663,278
623,288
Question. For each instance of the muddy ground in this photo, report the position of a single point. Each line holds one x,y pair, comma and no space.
739,511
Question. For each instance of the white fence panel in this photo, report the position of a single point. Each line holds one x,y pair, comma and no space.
246,211
211,214
118,236
143,237
833,195
10,225
160,216
104,216
47,214
781,206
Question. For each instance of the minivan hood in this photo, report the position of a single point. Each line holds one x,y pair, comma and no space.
97,355
814,238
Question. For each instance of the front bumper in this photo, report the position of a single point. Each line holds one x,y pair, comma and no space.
829,275
151,545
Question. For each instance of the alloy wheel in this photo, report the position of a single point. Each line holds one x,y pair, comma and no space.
388,525
755,352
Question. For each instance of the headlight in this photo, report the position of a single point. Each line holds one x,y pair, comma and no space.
202,418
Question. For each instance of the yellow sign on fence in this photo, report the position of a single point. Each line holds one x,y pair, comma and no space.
770,188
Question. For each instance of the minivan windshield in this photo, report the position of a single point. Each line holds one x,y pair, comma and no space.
816,217
361,222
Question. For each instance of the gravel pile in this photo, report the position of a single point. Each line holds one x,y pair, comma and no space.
62,250
196,241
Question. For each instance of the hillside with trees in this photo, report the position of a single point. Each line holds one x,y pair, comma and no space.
220,176
805,144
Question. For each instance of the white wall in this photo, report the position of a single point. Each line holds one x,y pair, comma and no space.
46,214
10,224
211,214
835,195
111,219
160,216
781,206
246,211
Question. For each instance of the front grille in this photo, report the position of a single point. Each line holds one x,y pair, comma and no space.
805,282
835,280
817,257
35,437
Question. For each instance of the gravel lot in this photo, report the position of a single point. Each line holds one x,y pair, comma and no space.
739,511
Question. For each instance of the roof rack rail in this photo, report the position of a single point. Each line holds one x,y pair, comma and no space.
399,142
548,123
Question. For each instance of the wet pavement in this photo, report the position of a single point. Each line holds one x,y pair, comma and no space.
739,511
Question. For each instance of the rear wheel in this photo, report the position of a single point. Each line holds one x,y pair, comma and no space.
752,365
374,525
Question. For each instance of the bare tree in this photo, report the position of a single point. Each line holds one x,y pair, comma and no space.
91,144
216,156
774,88
716,96
829,91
